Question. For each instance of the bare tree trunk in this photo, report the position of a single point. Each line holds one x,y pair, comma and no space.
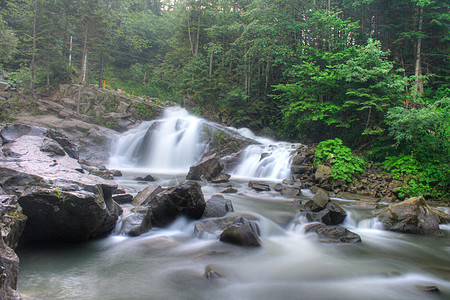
418,70
198,36
210,62
33,55
100,76
70,51
143,84
84,59
189,33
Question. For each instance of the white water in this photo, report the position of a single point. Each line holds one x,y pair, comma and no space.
174,143
169,263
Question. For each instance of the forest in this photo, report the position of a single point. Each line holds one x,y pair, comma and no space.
369,74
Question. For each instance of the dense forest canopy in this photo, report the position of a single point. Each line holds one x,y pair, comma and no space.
374,73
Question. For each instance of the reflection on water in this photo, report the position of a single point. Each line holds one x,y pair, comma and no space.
170,263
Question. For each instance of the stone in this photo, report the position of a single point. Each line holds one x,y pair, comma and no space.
4,86
12,132
52,147
211,274
321,172
321,198
116,173
208,168
212,228
12,220
122,198
147,178
331,214
333,234
259,186
291,191
144,196
241,233
138,222
217,206
410,216
229,190
69,147
185,199
222,178
9,271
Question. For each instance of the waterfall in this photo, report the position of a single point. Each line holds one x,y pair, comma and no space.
174,143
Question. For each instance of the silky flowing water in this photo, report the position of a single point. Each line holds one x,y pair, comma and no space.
170,263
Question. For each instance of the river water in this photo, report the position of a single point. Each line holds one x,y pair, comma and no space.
170,263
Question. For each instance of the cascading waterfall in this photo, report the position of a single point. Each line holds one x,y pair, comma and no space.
175,143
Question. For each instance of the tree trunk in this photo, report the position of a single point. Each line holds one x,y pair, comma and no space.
143,85
189,32
84,59
70,51
100,76
210,62
198,36
33,55
418,69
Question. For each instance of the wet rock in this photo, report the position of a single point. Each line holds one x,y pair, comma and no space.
144,196
322,171
9,271
185,199
331,214
333,234
103,173
12,220
147,178
211,274
410,216
229,190
208,168
123,198
429,289
443,217
241,233
138,222
291,191
259,186
116,173
12,132
278,187
52,147
217,206
69,147
212,228
222,178
321,198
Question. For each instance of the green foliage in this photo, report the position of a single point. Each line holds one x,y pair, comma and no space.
344,163
143,111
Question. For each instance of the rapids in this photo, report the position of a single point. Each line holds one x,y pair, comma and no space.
170,263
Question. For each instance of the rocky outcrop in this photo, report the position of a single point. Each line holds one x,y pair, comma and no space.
9,271
146,195
333,234
289,188
217,206
410,216
12,220
212,228
330,214
185,199
62,203
208,168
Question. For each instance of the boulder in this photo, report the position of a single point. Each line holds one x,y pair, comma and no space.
122,198
68,146
222,178
9,271
321,198
241,233
410,216
259,186
144,196
52,147
208,168
212,228
229,190
322,172
333,234
331,214
217,206
13,131
185,199
12,220
291,191
138,222
147,178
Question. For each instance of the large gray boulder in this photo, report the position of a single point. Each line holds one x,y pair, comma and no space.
330,214
217,206
145,195
62,203
137,222
333,234
241,233
185,199
212,228
410,216
208,168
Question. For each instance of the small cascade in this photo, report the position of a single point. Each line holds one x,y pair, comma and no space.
172,143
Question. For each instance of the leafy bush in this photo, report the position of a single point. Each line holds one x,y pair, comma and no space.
344,164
